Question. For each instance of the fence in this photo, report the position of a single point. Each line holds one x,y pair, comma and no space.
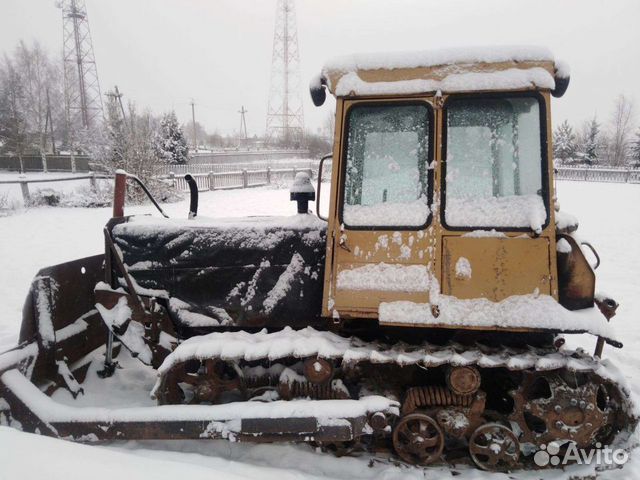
46,163
199,163
609,175
24,183
238,166
235,156
236,179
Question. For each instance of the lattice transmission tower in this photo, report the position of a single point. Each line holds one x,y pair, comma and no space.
285,115
82,88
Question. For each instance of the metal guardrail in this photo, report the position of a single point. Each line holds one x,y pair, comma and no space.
46,163
608,175
237,179
24,183
205,181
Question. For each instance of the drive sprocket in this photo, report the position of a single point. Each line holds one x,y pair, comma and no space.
562,405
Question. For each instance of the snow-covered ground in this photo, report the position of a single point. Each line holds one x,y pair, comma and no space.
37,237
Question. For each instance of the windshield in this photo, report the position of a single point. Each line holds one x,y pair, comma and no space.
386,180
494,163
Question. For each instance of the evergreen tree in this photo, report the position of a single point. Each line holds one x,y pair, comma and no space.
564,142
592,142
171,144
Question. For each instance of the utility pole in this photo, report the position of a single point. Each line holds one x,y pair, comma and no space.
193,119
118,96
49,124
243,124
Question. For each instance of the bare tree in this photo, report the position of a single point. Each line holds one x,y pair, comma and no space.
201,133
31,87
13,126
635,149
621,126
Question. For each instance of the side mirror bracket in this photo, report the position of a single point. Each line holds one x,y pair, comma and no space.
318,189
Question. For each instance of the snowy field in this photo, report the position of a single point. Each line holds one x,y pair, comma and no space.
34,238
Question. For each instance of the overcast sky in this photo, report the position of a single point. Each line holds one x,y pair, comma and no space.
162,53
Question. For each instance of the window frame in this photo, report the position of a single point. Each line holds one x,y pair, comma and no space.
429,171
544,160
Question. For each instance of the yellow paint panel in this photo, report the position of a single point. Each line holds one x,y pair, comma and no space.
347,300
360,301
500,267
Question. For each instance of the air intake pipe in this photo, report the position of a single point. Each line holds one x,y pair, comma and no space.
193,194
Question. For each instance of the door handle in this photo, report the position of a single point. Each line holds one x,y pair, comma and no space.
342,243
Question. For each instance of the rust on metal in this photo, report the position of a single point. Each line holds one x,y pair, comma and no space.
552,407
576,279
418,439
432,396
463,380
318,370
608,307
494,447
119,193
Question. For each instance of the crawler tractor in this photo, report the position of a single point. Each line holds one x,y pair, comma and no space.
421,318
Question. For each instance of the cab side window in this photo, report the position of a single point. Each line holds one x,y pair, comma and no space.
387,162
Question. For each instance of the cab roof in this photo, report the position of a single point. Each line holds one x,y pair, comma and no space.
448,70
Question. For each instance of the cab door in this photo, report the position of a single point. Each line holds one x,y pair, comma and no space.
498,229
382,246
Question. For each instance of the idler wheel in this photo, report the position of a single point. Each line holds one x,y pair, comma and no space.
418,439
494,447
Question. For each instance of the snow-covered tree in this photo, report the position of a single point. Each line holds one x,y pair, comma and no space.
14,136
564,142
129,143
30,95
170,142
635,149
592,142
621,127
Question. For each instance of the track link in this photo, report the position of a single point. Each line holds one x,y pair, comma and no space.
528,396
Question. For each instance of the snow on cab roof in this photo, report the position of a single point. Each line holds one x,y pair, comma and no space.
446,70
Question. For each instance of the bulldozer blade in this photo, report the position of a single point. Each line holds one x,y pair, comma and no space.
262,422
59,319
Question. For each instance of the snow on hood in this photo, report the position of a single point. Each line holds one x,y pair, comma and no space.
294,222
